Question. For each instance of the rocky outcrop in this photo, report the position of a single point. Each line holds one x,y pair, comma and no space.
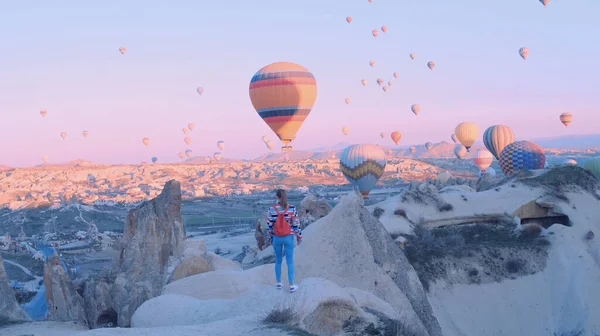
312,208
64,303
153,235
260,234
352,248
10,311
196,259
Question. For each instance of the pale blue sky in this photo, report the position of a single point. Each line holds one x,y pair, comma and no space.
63,56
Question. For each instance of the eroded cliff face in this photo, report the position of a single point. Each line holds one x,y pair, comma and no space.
10,311
153,234
63,301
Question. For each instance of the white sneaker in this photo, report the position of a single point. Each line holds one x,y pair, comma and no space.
293,288
278,285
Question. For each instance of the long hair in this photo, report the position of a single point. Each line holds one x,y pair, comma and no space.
282,195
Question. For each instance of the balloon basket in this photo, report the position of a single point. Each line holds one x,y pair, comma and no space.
286,148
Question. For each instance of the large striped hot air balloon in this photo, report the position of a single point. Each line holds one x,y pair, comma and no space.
496,137
593,166
363,165
466,133
283,95
483,159
521,155
566,118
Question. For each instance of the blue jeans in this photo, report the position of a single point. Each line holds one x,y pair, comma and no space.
278,245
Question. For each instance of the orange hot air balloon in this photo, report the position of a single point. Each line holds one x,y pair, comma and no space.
145,141
384,29
349,19
187,140
396,136
283,94
566,118
375,32
43,113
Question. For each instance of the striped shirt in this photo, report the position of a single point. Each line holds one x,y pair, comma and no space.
290,216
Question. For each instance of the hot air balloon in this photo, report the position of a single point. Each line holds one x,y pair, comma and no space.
385,88
349,19
524,52
370,1
379,81
593,166
496,137
188,153
384,29
145,141
191,126
483,159
63,135
265,138
44,158
395,75
217,156
283,94
396,136
570,162
544,2
269,144
431,65
363,82
154,159
347,100
372,64
200,90
221,144
460,151
428,145
413,55
566,118
466,133
184,130
490,173
375,33
207,159
363,165
453,137
122,50
85,134
415,108
345,130
181,155
43,113
521,155
382,135
187,140
412,149
390,83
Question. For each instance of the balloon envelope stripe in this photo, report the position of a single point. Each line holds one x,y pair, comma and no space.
260,76
368,167
283,113
283,82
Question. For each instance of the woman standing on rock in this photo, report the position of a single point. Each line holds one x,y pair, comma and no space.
282,226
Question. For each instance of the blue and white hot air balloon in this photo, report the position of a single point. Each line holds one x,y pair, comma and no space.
154,159
363,165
